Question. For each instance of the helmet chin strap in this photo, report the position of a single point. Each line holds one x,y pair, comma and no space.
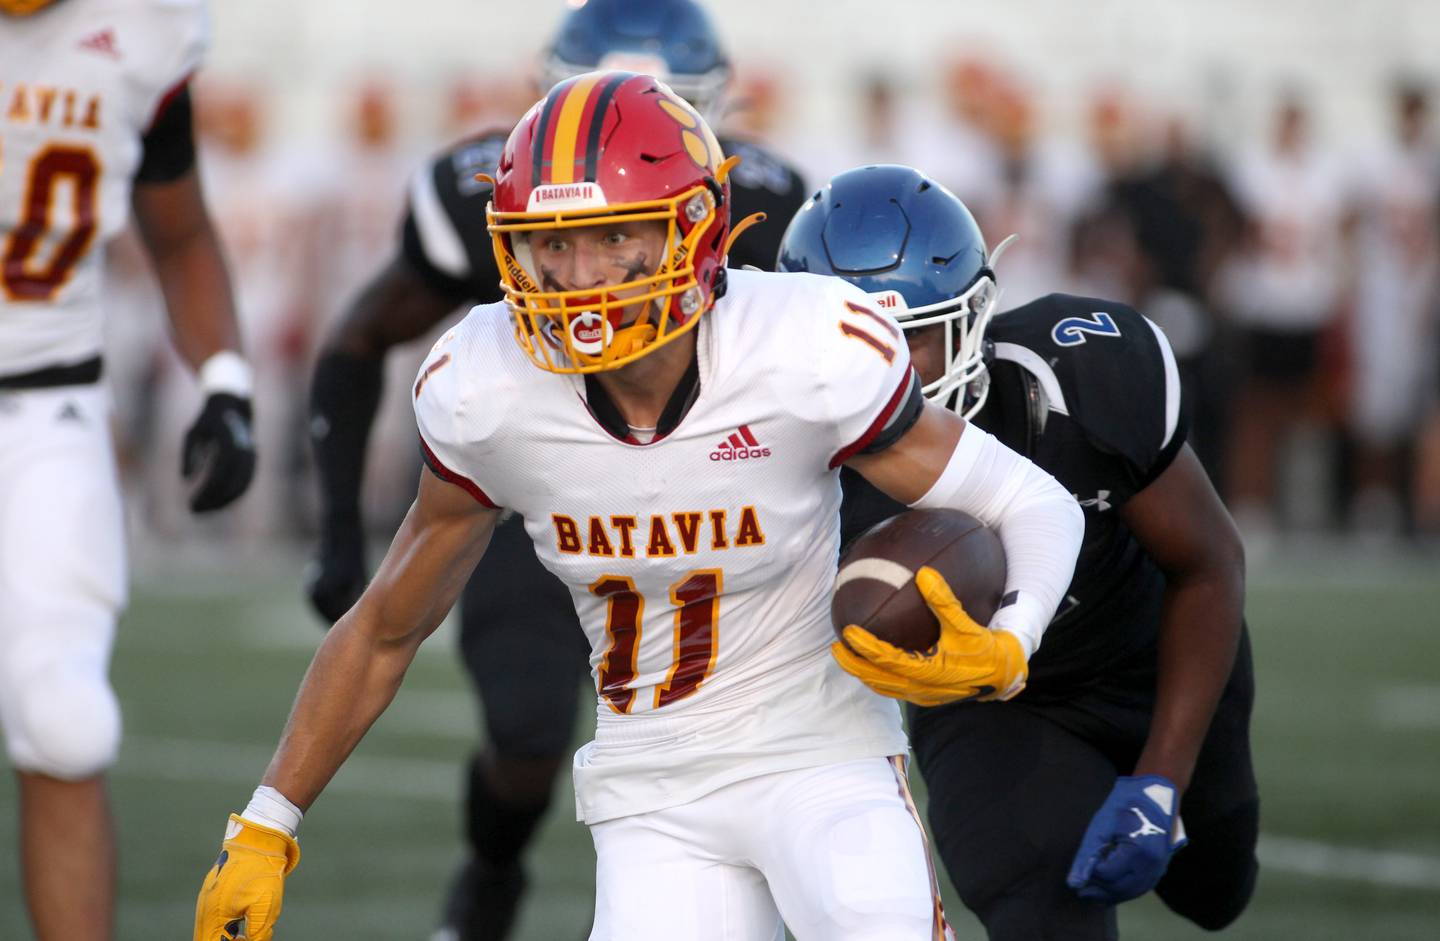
632,339
626,340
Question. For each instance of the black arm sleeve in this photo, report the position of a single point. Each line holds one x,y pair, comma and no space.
343,399
169,145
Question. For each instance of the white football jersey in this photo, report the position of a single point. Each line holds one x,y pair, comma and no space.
80,84
702,563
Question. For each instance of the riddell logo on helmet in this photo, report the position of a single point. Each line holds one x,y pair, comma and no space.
890,300
740,446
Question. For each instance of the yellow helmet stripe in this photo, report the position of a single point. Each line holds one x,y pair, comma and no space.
567,129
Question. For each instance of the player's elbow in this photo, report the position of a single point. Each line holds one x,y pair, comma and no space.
1068,519
351,336
1223,558
1073,513
1232,557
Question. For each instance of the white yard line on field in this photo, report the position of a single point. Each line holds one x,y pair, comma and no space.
450,714
181,759
1410,706
1350,863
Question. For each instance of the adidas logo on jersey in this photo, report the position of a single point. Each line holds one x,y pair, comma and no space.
740,446
103,42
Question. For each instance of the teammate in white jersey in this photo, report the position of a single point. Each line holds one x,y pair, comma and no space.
677,468
94,119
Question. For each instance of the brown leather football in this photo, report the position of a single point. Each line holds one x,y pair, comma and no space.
875,586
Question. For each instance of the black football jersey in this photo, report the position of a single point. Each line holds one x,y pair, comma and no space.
443,235
1089,391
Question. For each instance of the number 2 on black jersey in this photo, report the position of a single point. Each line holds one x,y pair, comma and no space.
1072,330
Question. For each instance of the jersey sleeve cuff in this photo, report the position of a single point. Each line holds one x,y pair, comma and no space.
438,468
895,418
1023,616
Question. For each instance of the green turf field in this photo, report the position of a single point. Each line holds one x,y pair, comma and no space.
1347,741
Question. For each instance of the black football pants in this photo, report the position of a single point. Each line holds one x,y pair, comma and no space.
523,647
1012,787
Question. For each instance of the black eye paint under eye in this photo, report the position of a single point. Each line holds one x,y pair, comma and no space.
548,281
637,267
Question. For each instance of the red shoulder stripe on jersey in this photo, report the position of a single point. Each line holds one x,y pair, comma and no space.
438,468
881,420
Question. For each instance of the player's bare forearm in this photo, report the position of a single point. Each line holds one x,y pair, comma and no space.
189,266
1199,634
396,306
1182,524
359,667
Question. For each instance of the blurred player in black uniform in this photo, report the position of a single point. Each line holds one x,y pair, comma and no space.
513,612
1139,696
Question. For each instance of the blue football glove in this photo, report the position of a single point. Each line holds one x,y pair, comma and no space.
1129,841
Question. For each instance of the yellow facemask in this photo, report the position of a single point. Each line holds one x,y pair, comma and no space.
23,7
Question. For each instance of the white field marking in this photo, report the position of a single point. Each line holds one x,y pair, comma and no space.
1411,706
305,634
441,713
183,759
179,759
1351,863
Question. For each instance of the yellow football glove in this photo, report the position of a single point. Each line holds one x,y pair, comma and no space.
241,895
969,661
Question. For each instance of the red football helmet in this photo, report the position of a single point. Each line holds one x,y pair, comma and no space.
600,148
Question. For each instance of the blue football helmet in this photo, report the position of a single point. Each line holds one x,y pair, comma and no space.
672,40
912,245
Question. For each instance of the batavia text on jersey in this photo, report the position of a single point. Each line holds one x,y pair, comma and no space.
657,536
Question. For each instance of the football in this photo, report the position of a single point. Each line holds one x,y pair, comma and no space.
875,585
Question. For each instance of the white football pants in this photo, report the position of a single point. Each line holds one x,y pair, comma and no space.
62,580
837,852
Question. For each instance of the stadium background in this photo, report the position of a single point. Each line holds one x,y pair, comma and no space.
314,113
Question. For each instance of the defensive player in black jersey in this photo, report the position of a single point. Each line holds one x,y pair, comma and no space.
513,611
1054,806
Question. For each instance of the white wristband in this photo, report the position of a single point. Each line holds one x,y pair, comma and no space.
274,810
227,371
